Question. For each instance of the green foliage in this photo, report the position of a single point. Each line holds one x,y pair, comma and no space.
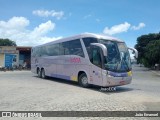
7,42
148,47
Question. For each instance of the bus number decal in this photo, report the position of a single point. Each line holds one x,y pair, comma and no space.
75,60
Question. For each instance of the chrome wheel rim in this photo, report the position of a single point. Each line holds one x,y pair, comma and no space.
84,80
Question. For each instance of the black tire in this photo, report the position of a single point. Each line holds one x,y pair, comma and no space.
39,73
43,74
83,80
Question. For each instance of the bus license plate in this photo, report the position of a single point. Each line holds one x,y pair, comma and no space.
122,82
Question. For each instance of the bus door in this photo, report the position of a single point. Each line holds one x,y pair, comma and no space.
96,66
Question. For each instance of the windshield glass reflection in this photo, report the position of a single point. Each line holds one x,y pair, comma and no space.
118,58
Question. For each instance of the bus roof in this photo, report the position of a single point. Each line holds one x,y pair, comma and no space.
83,35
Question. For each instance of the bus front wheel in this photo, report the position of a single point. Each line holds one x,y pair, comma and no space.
83,80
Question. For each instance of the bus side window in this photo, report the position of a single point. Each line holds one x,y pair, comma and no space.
87,42
96,57
76,48
66,46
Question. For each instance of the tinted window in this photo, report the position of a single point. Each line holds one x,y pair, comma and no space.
76,48
96,56
37,51
64,48
87,42
53,50
61,49
33,52
43,51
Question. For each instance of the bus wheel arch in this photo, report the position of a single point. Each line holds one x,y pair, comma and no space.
83,79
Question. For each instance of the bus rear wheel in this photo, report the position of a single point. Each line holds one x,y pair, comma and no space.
39,73
43,73
83,80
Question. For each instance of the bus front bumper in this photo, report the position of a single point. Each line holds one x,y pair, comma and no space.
110,80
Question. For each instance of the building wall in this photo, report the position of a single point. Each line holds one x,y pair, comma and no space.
8,50
2,60
23,54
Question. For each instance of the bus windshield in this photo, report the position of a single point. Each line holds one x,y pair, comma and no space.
118,57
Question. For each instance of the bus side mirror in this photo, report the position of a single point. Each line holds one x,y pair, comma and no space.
103,47
134,51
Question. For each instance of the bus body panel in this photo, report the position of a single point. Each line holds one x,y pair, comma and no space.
68,66
96,75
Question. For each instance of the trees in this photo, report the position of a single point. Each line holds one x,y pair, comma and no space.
7,42
148,47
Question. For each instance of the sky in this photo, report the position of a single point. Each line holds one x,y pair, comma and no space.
34,22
